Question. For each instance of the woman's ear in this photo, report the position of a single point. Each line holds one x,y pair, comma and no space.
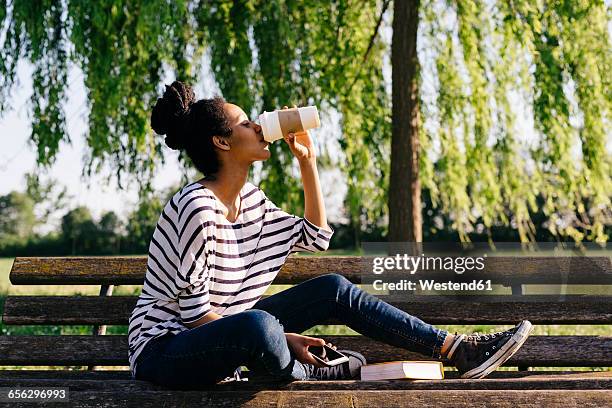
221,142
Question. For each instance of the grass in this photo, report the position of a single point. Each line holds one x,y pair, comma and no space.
7,289
5,268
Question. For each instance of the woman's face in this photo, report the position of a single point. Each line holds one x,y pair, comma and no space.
246,142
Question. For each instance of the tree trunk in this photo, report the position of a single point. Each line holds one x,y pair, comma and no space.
405,221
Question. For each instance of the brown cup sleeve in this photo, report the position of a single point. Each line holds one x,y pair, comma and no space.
290,121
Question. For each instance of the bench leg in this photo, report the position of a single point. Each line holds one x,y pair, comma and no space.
105,290
523,368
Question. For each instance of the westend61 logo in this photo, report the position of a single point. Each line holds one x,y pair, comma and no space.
426,263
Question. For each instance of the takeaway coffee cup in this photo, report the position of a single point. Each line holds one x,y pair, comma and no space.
278,123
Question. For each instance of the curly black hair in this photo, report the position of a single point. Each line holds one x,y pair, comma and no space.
190,125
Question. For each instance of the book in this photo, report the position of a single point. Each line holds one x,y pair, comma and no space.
397,370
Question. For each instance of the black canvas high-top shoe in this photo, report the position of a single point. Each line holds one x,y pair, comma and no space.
477,355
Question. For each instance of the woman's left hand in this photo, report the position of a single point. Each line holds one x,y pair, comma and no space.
298,344
300,144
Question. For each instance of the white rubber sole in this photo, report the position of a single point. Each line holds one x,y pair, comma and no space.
503,354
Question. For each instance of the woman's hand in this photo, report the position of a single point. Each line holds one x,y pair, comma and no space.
300,144
298,344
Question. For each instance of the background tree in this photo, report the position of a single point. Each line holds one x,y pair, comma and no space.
141,223
48,195
79,230
17,218
109,233
405,217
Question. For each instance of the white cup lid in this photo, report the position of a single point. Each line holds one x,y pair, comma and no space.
270,126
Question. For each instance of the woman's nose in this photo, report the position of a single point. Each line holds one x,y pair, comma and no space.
257,127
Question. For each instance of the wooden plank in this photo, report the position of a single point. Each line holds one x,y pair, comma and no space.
552,351
496,380
539,309
599,378
68,310
77,375
504,270
586,381
345,399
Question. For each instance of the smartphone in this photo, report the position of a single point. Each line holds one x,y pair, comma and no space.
327,355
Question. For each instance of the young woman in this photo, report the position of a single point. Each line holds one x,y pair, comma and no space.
218,245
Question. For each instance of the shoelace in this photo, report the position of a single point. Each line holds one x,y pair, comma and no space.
477,336
474,336
237,376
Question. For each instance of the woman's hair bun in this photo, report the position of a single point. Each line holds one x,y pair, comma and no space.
170,114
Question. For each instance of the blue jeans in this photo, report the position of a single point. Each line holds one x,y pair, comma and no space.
255,338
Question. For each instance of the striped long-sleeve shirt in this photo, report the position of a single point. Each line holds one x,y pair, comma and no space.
200,262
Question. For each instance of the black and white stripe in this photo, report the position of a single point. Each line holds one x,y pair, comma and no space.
200,262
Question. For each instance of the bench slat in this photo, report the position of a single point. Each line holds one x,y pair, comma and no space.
560,351
124,374
576,381
539,309
345,399
130,270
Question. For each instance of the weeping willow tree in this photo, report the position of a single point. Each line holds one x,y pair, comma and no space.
121,48
550,57
469,148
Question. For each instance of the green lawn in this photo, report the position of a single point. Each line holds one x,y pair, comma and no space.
5,268
6,288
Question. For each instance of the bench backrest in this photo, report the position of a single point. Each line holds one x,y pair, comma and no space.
99,311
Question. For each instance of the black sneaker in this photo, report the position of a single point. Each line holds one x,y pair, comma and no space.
476,355
349,370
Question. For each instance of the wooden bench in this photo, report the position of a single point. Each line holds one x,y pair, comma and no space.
502,388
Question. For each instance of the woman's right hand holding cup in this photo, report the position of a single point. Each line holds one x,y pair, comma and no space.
300,144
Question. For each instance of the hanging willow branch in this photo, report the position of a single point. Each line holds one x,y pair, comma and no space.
494,65
384,8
